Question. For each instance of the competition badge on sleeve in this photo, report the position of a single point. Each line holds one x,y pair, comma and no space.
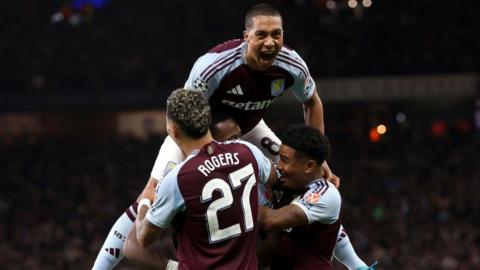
200,85
278,86
308,86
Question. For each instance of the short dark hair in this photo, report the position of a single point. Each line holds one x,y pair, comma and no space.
260,9
190,111
307,142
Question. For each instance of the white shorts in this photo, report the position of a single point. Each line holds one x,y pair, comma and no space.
170,154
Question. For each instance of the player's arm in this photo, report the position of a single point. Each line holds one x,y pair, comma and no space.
146,232
144,229
148,257
313,112
304,90
280,219
138,245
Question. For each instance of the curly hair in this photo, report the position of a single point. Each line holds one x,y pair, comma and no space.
190,111
260,9
307,142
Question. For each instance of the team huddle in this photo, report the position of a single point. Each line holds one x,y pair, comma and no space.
236,195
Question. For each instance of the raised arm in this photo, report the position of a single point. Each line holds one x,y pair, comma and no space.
313,112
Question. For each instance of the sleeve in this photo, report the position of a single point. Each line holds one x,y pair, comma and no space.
321,203
168,157
264,164
197,80
168,202
264,168
303,86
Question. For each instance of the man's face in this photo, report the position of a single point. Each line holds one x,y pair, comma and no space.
293,169
226,130
264,39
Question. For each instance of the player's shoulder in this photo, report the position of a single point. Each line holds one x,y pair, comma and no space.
242,143
288,52
227,46
178,170
219,59
321,191
290,60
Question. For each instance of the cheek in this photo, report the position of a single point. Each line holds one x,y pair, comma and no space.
279,42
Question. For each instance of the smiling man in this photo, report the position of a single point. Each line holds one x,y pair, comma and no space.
309,223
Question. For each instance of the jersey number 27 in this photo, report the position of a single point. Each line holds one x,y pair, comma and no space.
216,234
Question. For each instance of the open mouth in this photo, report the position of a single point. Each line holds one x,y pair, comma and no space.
267,56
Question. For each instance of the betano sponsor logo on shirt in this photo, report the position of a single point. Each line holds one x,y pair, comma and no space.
249,105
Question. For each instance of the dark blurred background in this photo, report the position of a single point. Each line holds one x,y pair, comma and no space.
83,85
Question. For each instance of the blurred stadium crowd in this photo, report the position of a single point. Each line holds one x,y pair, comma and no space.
409,203
153,44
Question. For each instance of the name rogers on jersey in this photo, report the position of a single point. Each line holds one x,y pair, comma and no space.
217,161
249,105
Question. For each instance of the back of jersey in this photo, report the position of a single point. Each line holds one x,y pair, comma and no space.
218,228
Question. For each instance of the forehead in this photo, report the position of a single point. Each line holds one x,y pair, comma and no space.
266,23
287,151
226,130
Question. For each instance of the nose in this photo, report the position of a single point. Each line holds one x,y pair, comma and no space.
269,41
278,166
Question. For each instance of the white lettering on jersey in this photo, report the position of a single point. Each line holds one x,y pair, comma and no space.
249,105
218,161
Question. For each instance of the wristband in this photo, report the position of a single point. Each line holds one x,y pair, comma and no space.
172,265
142,202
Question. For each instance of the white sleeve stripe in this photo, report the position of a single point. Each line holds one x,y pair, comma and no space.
218,62
298,61
325,187
321,188
287,61
222,66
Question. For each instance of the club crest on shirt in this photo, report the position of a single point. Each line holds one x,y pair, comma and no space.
277,87
210,150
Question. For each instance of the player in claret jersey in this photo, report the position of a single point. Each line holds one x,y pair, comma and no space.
210,198
310,222
240,78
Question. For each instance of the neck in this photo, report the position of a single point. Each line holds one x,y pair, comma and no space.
189,145
316,175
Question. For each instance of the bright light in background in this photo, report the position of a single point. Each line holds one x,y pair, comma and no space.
401,117
376,133
331,4
381,129
367,3
352,3
373,135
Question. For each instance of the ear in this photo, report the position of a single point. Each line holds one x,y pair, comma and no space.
245,35
310,166
172,129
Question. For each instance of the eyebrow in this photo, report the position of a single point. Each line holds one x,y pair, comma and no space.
278,30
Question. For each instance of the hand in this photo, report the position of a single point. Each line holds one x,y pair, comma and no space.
329,176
